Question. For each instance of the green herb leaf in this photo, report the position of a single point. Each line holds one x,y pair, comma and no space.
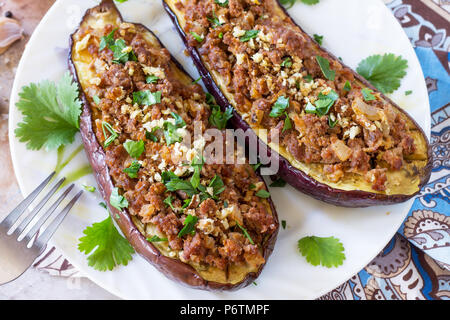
189,226
308,78
151,79
323,104
170,133
217,185
96,99
134,148
409,92
262,194
249,34
347,86
133,169
197,164
279,183
155,238
279,107
197,36
245,232
146,98
332,123
121,52
368,94
168,202
383,72
287,123
179,122
324,65
151,135
102,204
214,20
112,134
89,188
287,62
318,38
108,247
325,251
310,2
176,184
50,113
222,3
218,118
118,201
256,166
283,224
107,41
197,80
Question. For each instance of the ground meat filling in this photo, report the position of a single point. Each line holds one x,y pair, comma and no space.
262,57
137,98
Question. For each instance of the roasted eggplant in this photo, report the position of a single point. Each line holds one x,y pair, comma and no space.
199,223
338,138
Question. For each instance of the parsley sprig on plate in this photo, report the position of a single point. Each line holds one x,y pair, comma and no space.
326,251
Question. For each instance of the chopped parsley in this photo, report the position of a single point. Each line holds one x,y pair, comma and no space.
133,169
197,164
283,224
409,92
189,226
51,113
324,65
107,41
146,98
108,246
168,202
368,94
262,194
323,104
318,38
222,3
332,123
118,201
151,135
279,183
308,78
327,252
171,133
121,52
279,107
249,34
151,79
214,20
96,99
287,62
347,86
134,148
287,123
218,118
383,72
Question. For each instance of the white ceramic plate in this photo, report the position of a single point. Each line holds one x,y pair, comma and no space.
353,30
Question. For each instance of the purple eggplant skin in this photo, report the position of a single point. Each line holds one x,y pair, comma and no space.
174,269
295,177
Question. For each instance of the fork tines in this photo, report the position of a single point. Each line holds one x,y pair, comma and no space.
18,212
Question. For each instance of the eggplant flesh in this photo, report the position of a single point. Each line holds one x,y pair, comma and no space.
353,189
85,69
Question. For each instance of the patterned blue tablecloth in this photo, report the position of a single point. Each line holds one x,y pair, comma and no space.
416,262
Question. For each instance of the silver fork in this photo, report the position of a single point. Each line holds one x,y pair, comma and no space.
16,255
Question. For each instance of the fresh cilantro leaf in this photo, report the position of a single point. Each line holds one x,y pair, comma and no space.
320,250
122,53
252,186
134,148
170,133
368,94
155,238
221,35
108,247
218,118
283,224
189,226
332,123
287,123
217,185
133,169
102,204
197,164
186,203
318,38
308,78
196,36
50,113
166,176
245,232
262,194
118,201
89,188
324,65
168,202
383,72
225,204
210,99
347,86
249,34
112,133
287,62
310,108
323,103
256,166
176,184
146,98
279,107
151,79
151,135
222,3
279,183
409,92
107,41
179,122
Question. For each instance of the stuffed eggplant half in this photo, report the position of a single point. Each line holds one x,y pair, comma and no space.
338,139
207,225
